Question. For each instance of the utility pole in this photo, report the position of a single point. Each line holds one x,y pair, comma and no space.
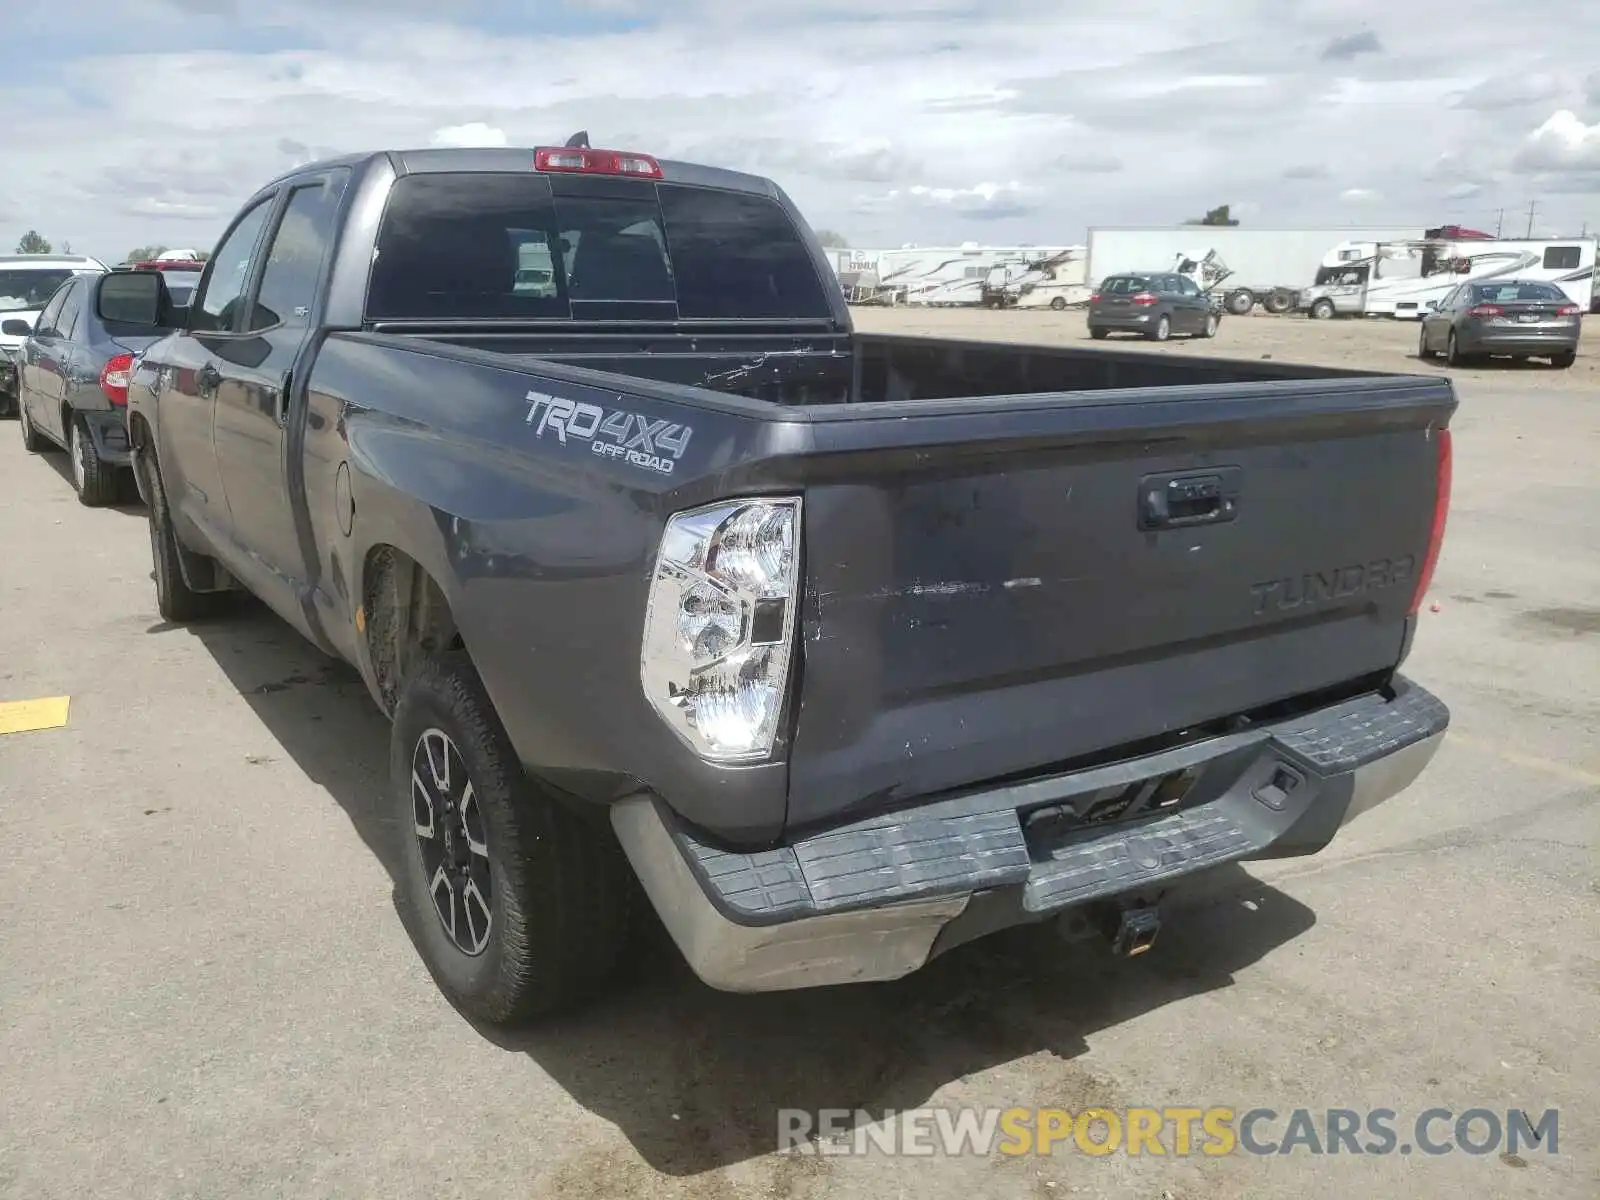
1499,221
1532,206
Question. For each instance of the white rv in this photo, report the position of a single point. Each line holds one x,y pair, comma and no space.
1057,281
1400,278
946,275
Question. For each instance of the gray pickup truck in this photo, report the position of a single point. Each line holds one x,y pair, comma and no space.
848,649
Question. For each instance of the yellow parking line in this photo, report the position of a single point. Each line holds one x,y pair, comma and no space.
1533,762
25,716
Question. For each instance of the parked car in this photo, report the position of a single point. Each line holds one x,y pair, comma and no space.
1521,318
847,648
26,282
74,367
1154,305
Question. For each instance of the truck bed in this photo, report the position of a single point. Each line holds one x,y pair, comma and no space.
984,594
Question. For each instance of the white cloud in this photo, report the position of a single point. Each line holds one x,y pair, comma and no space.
474,133
1562,144
1358,195
894,121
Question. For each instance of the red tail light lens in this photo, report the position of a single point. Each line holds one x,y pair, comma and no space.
1095,299
1485,310
1569,310
596,162
114,378
1441,509
1144,298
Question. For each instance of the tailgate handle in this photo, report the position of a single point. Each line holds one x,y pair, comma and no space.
1176,501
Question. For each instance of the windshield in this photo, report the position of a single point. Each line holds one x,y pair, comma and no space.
1502,293
505,246
29,288
1343,275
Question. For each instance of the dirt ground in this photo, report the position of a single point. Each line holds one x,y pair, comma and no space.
1375,344
206,993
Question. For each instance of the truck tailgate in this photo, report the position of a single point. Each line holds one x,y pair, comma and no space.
998,586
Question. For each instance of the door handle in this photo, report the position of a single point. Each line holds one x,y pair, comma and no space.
1178,501
207,379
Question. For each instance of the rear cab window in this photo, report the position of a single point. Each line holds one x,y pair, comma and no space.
1126,285
504,246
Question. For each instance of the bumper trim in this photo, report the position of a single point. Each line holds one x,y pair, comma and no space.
869,900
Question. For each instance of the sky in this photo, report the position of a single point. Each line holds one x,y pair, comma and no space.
132,122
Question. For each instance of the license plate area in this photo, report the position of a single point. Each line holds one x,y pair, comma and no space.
1047,828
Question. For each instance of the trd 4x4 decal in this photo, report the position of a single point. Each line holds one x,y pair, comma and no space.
651,443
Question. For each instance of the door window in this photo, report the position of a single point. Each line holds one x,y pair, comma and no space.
217,305
72,306
293,266
1188,286
45,326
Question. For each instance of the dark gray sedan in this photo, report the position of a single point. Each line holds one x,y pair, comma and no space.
73,374
1154,305
1521,318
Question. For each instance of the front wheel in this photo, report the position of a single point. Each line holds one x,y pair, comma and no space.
1240,302
32,440
1322,310
517,907
1209,329
1058,303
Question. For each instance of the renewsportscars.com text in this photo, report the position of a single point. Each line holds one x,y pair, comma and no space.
1178,1132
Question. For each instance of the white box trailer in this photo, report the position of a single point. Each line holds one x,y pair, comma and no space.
1265,266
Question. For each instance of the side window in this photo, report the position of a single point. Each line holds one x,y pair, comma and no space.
294,263
45,326
1188,286
1562,258
228,272
67,322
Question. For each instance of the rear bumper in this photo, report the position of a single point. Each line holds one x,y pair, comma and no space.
877,899
1517,341
1122,321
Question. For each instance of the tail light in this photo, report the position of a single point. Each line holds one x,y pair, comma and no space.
595,162
1569,310
114,378
1095,299
1485,310
1144,298
719,625
1441,508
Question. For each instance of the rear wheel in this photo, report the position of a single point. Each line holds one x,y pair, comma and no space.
1278,303
1098,334
32,440
94,479
1452,352
1562,361
1163,329
1058,303
1322,310
1424,351
517,907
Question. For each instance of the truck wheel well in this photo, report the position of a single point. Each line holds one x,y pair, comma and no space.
407,619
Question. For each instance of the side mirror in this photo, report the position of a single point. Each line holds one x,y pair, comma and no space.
15,327
135,298
1431,305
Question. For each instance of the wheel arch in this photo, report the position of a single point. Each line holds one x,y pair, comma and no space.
404,616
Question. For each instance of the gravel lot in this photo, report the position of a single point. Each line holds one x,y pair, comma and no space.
205,991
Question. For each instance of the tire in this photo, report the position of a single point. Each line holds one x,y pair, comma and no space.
1163,329
1424,351
33,441
176,601
1322,310
1562,361
1058,303
1278,303
1240,302
556,894
1452,352
94,479
1098,334
1209,329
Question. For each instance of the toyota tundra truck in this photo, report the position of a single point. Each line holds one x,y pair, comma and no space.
838,650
